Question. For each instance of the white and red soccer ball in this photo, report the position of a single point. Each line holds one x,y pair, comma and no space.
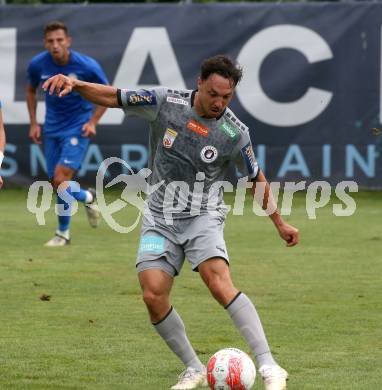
231,369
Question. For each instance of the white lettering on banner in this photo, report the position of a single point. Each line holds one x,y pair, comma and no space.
7,62
14,112
155,43
250,92
140,46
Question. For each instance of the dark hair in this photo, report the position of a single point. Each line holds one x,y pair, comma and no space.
53,26
223,66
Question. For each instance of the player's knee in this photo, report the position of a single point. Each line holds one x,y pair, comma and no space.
216,285
221,288
57,180
153,299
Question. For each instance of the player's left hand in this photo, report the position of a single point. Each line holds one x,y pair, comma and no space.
89,129
1,181
289,233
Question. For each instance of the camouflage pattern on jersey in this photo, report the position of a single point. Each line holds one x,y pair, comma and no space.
187,150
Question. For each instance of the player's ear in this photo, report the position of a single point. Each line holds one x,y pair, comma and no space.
199,82
69,41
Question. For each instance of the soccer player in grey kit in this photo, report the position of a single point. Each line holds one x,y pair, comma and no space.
193,135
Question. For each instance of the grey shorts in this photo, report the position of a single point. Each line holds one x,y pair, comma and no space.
165,246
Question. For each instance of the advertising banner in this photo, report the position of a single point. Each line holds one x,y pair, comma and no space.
311,92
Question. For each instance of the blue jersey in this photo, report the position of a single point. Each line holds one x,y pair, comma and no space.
65,115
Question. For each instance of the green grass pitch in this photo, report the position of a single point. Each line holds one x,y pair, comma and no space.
320,303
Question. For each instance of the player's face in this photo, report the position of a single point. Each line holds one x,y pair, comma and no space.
214,95
57,43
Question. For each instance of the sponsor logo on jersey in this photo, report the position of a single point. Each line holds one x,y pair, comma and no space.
73,76
169,138
209,154
229,130
175,100
74,141
196,127
249,158
141,98
45,76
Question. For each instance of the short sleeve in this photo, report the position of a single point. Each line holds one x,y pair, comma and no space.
33,74
245,157
142,103
98,75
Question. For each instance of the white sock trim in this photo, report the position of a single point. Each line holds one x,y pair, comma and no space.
89,197
65,233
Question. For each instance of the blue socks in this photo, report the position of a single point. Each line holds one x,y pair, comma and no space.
64,203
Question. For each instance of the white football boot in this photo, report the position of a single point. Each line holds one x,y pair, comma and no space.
274,377
92,210
191,379
58,240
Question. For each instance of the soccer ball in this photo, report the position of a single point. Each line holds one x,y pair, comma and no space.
231,369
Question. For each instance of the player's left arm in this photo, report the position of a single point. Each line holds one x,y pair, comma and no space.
89,128
95,75
287,232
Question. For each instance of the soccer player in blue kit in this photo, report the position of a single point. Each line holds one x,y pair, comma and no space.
193,136
69,122
2,143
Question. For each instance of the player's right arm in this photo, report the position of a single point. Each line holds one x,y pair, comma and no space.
35,129
103,95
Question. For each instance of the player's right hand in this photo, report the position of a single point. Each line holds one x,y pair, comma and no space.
1,181
35,133
60,84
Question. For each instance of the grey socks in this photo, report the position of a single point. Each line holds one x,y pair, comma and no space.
173,332
246,319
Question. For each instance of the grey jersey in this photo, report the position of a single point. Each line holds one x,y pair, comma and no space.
187,150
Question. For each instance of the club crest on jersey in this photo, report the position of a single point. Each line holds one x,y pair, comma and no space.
74,141
175,100
169,138
141,98
209,154
198,128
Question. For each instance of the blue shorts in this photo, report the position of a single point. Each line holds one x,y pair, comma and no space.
65,150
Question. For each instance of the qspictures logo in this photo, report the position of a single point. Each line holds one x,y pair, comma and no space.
137,192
